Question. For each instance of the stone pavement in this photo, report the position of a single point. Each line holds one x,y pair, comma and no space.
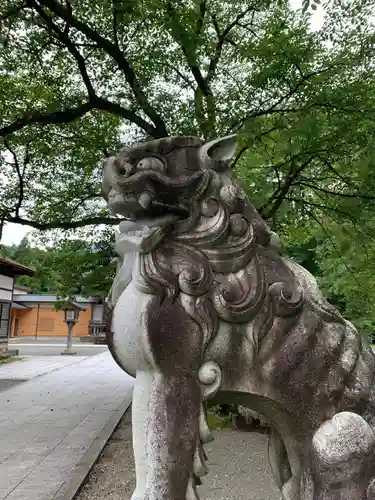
33,366
51,425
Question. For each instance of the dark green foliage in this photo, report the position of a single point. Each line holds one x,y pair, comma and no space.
73,268
79,77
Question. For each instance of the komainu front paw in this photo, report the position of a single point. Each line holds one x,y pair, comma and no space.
342,458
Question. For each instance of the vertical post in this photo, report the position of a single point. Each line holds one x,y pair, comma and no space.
68,349
70,333
10,313
37,321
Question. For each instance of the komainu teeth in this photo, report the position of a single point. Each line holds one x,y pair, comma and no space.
145,200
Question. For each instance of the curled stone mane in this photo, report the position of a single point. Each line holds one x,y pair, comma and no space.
219,264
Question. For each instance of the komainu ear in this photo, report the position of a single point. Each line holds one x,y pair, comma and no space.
222,149
218,152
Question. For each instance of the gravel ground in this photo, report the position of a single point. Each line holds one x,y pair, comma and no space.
238,463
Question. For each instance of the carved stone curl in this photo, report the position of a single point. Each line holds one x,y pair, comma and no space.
204,305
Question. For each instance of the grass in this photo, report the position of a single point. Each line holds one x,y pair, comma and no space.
11,359
215,422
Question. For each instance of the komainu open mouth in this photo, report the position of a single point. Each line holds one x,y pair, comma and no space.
159,209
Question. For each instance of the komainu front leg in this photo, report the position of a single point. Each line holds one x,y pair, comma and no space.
342,459
165,433
172,436
167,404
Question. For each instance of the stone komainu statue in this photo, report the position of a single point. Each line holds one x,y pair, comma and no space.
203,306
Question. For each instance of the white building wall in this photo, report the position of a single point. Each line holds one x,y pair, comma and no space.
6,292
6,282
6,287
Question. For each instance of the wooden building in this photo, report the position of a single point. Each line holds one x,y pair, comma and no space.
35,315
9,270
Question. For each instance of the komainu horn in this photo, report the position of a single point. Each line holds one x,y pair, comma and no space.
204,306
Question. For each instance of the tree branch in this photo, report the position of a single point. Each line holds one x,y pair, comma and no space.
326,232
177,31
320,207
280,194
245,148
66,116
45,226
328,164
71,114
13,11
21,190
247,28
63,36
115,53
203,97
116,109
334,193
202,13
81,202
346,110
114,24
273,109
2,221
222,38
183,77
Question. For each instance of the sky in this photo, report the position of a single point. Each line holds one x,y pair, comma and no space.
13,233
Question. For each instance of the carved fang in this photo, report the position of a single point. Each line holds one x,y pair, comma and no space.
145,200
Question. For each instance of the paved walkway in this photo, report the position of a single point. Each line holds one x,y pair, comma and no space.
41,339
44,340
33,366
49,424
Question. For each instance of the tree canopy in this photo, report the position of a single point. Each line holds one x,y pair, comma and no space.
77,78
75,267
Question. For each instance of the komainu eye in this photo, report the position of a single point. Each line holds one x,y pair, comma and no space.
124,169
151,163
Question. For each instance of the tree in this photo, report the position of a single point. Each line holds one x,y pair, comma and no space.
75,267
45,278
78,78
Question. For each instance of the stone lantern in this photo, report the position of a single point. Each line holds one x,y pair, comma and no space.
71,314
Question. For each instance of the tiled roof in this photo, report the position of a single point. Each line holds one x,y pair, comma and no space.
36,297
15,268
